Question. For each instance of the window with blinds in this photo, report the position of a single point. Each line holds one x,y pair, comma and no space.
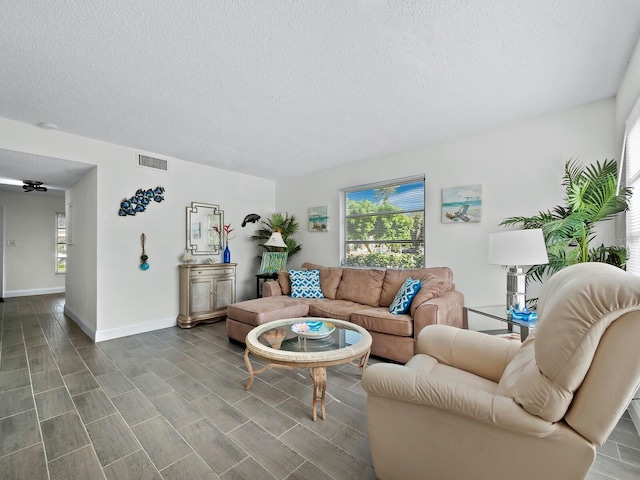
384,224
632,160
61,243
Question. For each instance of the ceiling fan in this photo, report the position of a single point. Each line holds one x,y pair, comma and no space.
33,185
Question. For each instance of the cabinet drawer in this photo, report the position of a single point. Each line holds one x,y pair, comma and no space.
225,271
201,272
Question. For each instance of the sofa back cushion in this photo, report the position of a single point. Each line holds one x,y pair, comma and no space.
362,286
330,281
285,283
395,278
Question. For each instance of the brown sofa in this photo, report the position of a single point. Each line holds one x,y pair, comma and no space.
361,296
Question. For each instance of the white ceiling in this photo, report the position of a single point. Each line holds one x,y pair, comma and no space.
57,174
283,88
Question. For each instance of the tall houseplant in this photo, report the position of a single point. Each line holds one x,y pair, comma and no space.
591,196
285,224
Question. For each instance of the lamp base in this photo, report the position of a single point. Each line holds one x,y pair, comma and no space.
516,288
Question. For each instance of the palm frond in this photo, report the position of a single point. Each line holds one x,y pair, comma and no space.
572,172
591,196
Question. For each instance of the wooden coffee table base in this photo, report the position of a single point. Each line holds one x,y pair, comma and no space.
318,375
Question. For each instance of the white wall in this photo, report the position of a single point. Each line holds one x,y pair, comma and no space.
82,252
628,92
29,266
130,300
520,167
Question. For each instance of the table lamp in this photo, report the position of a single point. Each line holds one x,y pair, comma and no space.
276,241
514,249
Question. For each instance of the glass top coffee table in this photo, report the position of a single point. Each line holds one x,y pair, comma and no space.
289,344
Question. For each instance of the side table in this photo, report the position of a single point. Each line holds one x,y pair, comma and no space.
500,312
264,277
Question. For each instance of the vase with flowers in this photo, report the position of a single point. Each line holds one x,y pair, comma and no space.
224,240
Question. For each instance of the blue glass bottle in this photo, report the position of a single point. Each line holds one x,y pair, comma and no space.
226,255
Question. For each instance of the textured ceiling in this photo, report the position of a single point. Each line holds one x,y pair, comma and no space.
283,88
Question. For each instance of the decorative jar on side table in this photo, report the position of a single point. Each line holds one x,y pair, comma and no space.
501,313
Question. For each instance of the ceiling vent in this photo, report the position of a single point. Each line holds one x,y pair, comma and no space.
152,162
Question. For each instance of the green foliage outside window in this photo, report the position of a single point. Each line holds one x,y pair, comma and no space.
385,226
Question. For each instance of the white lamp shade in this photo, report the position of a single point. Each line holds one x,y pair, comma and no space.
518,247
275,240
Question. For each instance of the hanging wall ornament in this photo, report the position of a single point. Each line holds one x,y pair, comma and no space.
143,258
139,202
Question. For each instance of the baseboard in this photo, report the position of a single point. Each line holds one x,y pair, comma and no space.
102,335
634,411
34,291
85,328
109,334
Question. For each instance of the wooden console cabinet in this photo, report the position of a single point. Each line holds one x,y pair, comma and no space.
205,292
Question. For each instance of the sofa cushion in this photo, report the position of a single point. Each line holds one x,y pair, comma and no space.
330,280
305,284
261,310
309,266
361,286
380,320
338,309
404,296
432,288
394,278
284,282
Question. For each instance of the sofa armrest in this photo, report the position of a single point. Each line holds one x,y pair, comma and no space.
445,309
475,352
271,289
404,384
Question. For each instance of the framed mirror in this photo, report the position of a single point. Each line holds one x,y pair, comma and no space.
204,222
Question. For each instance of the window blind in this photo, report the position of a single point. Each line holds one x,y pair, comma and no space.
384,224
632,161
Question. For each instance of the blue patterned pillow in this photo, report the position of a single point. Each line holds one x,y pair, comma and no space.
305,284
404,296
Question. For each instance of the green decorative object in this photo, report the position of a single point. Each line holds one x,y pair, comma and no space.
592,195
273,262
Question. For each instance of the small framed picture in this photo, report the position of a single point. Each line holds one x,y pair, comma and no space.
462,204
318,219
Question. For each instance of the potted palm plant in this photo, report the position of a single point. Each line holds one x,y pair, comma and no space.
285,224
592,195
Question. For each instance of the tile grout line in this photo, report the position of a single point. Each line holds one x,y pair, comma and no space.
35,404
64,383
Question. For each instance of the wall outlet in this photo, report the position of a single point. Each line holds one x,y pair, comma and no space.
11,243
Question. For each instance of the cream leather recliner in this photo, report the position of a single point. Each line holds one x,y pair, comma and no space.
474,406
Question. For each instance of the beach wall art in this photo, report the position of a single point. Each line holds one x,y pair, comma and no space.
318,219
462,204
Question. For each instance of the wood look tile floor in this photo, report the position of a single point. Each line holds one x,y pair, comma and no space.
171,404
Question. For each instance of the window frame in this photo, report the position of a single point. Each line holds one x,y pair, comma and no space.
58,243
396,182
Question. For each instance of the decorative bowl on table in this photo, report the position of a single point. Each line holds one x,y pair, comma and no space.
315,326
303,329
524,314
